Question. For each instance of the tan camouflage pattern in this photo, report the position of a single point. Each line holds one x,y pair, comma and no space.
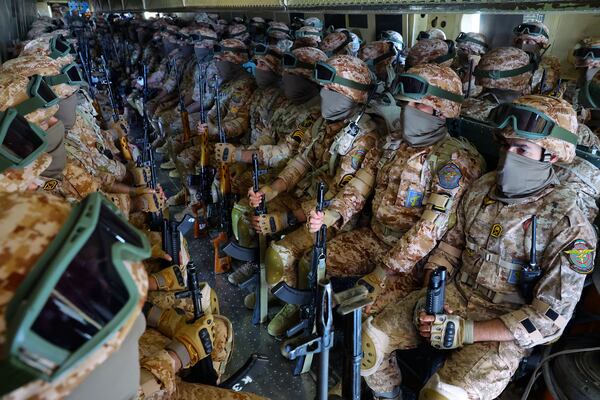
235,98
470,47
263,104
461,66
332,42
394,37
204,31
238,31
559,111
157,361
309,32
436,33
307,41
20,179
541,40
426,51
37,64
442,77
13,91
272,62
406,179
354,69
276,34
479,107
309,169
376,49
551,66
588,62
309,55
73,185
210,71
559,224
581,176
504,59
30,221
236,58
290,125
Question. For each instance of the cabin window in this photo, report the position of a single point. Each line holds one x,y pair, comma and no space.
358,21
470,23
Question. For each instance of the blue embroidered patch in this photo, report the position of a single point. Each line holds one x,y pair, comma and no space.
449,176
357,158
414,199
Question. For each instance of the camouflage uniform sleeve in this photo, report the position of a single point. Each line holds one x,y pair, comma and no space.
236,122
161,377
567,260
294,171
352,198
448,186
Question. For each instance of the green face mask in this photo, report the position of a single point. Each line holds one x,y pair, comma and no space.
76,296
20,141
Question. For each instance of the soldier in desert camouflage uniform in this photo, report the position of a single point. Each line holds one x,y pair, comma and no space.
534,37
418,176
341,41
34,222
293,191
504,74
498,318
290,126
382,58
469,49
307,36
428,51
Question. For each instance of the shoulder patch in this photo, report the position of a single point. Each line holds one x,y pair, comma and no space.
449,176
581,256
50,185
487,201
297,135
307,122
345,179
357,158
413,199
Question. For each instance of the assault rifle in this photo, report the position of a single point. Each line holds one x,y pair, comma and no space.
200,181
261,306
225,199
308,298
436,292
204,372
88,77
185,118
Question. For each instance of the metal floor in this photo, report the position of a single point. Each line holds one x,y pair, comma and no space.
275,381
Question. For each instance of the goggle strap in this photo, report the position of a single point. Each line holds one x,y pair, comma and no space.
351,84
472,40
29,106
495,74
57,79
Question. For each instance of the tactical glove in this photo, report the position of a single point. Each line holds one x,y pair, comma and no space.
166,321
451,332
273,222
171,278
227,153
192,342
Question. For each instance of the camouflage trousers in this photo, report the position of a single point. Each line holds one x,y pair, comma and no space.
355,254
166,384
483,369
172,124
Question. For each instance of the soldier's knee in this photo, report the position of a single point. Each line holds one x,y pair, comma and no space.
275,262
240,224
374,344
304,267
436,389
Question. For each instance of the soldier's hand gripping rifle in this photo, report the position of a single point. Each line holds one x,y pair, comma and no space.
201,180
203,371
307,299
225,199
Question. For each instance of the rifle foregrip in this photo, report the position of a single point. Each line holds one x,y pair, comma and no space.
436,292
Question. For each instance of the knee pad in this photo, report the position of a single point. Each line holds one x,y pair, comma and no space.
435,389
274,263
240,223
374,345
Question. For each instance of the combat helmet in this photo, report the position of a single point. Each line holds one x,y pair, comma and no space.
536,32
427,51
587,53
346,75
548,121
507,68
472,43
434,85
302,61
232,50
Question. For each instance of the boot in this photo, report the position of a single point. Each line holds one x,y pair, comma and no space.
284,320
243,273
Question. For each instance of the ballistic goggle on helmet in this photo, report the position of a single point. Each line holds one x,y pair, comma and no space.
69,75
302,61
548,121
21,142
347,75
587,53
535,31
77,295
232,50
472,42
59,47
432,85
40,95
506,68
